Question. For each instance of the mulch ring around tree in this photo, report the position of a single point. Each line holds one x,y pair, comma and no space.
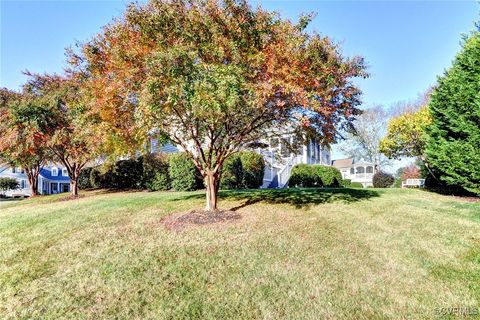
182,221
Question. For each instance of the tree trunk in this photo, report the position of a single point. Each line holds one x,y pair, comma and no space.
74,186
212,182
33,181
424,159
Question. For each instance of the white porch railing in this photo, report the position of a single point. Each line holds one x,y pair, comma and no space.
285,172
362,175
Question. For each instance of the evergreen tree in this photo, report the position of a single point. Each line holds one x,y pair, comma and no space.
453,146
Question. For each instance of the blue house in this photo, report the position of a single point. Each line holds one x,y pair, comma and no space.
51,180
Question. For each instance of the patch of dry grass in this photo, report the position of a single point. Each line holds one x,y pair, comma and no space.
294,254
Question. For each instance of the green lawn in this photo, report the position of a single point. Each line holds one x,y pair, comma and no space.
294,254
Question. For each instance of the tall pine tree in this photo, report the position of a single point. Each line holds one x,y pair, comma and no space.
453,146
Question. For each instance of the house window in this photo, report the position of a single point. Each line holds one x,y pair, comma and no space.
54,172
14,170
360,170
352,171
369,169
23,184
64,173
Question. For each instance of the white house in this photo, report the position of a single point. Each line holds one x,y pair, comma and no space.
52,179
361,171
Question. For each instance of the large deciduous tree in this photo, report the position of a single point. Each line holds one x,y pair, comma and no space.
453,146
22,144
71,134
213,76
362,141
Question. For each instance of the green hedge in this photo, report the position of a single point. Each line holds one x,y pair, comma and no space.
306,175
347,183
356,185
232,173
155,173
253,166
183,173
175,171
146,172
243,170
84,179
127,174
100,178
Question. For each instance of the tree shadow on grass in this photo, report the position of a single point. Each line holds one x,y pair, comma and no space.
300,198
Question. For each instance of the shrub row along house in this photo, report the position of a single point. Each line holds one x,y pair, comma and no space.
278,156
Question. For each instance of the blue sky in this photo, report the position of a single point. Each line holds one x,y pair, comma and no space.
407,44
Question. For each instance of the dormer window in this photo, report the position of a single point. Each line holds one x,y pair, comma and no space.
64,172
54,172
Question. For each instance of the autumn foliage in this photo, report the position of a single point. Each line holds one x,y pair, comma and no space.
411,172
214,77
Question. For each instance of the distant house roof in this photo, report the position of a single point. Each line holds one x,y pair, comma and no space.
342,163
47,174
363,163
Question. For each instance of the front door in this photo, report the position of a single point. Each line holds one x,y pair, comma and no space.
65,187
54,187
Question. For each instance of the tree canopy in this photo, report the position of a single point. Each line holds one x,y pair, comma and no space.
406,135
215,76
22,144
70,132
454,134
362,140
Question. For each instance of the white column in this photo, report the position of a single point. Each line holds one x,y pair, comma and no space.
305,154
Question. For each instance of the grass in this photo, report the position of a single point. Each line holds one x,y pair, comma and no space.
310,254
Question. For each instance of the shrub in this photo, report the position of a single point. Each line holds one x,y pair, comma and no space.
303,175
382,180
253,167
126,174
183,173
329,176
8,184
99,178
155,173
159,182
356,185
232,173
84,179
346,183
146,172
